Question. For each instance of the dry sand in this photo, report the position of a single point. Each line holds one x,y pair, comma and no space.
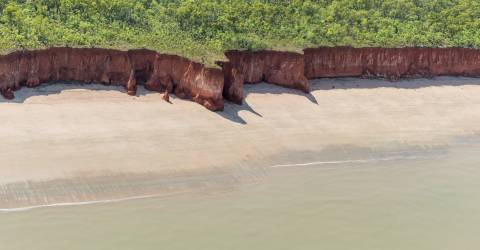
64,130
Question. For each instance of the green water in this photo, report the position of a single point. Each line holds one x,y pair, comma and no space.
429,202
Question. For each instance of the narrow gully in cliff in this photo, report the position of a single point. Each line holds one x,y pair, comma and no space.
210,86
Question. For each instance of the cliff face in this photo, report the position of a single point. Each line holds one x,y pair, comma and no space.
281,68
209,86
391,63
126,68
233,83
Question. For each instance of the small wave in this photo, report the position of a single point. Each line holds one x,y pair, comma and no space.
315,163
66,204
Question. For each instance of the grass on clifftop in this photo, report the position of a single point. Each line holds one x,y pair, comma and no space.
203,29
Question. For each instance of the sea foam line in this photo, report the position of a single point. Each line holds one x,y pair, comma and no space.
314,163
67,204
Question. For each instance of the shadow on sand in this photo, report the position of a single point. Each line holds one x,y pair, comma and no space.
324,84
54,88
232,111
265,88
361,83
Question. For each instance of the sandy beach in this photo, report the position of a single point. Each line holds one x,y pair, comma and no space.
70,131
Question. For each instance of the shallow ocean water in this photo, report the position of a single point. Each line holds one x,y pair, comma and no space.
401,198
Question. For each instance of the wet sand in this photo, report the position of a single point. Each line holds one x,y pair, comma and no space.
72,133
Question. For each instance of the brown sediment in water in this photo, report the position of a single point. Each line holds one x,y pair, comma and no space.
209,86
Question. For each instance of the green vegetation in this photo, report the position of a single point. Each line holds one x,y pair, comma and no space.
203,29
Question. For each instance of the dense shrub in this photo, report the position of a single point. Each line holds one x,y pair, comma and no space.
203,29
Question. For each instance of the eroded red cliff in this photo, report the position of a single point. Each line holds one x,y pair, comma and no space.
281,68
391,63
157,72
209,86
